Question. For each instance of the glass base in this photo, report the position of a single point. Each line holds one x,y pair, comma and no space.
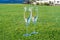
26,35
34,32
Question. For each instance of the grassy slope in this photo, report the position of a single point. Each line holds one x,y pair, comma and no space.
12,25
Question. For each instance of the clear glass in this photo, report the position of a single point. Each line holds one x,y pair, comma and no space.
34,18
27,18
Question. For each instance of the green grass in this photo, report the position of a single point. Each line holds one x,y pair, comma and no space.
12,25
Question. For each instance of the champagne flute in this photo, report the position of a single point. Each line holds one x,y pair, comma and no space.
27,18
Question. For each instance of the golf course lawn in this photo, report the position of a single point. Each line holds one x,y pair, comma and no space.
12,24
